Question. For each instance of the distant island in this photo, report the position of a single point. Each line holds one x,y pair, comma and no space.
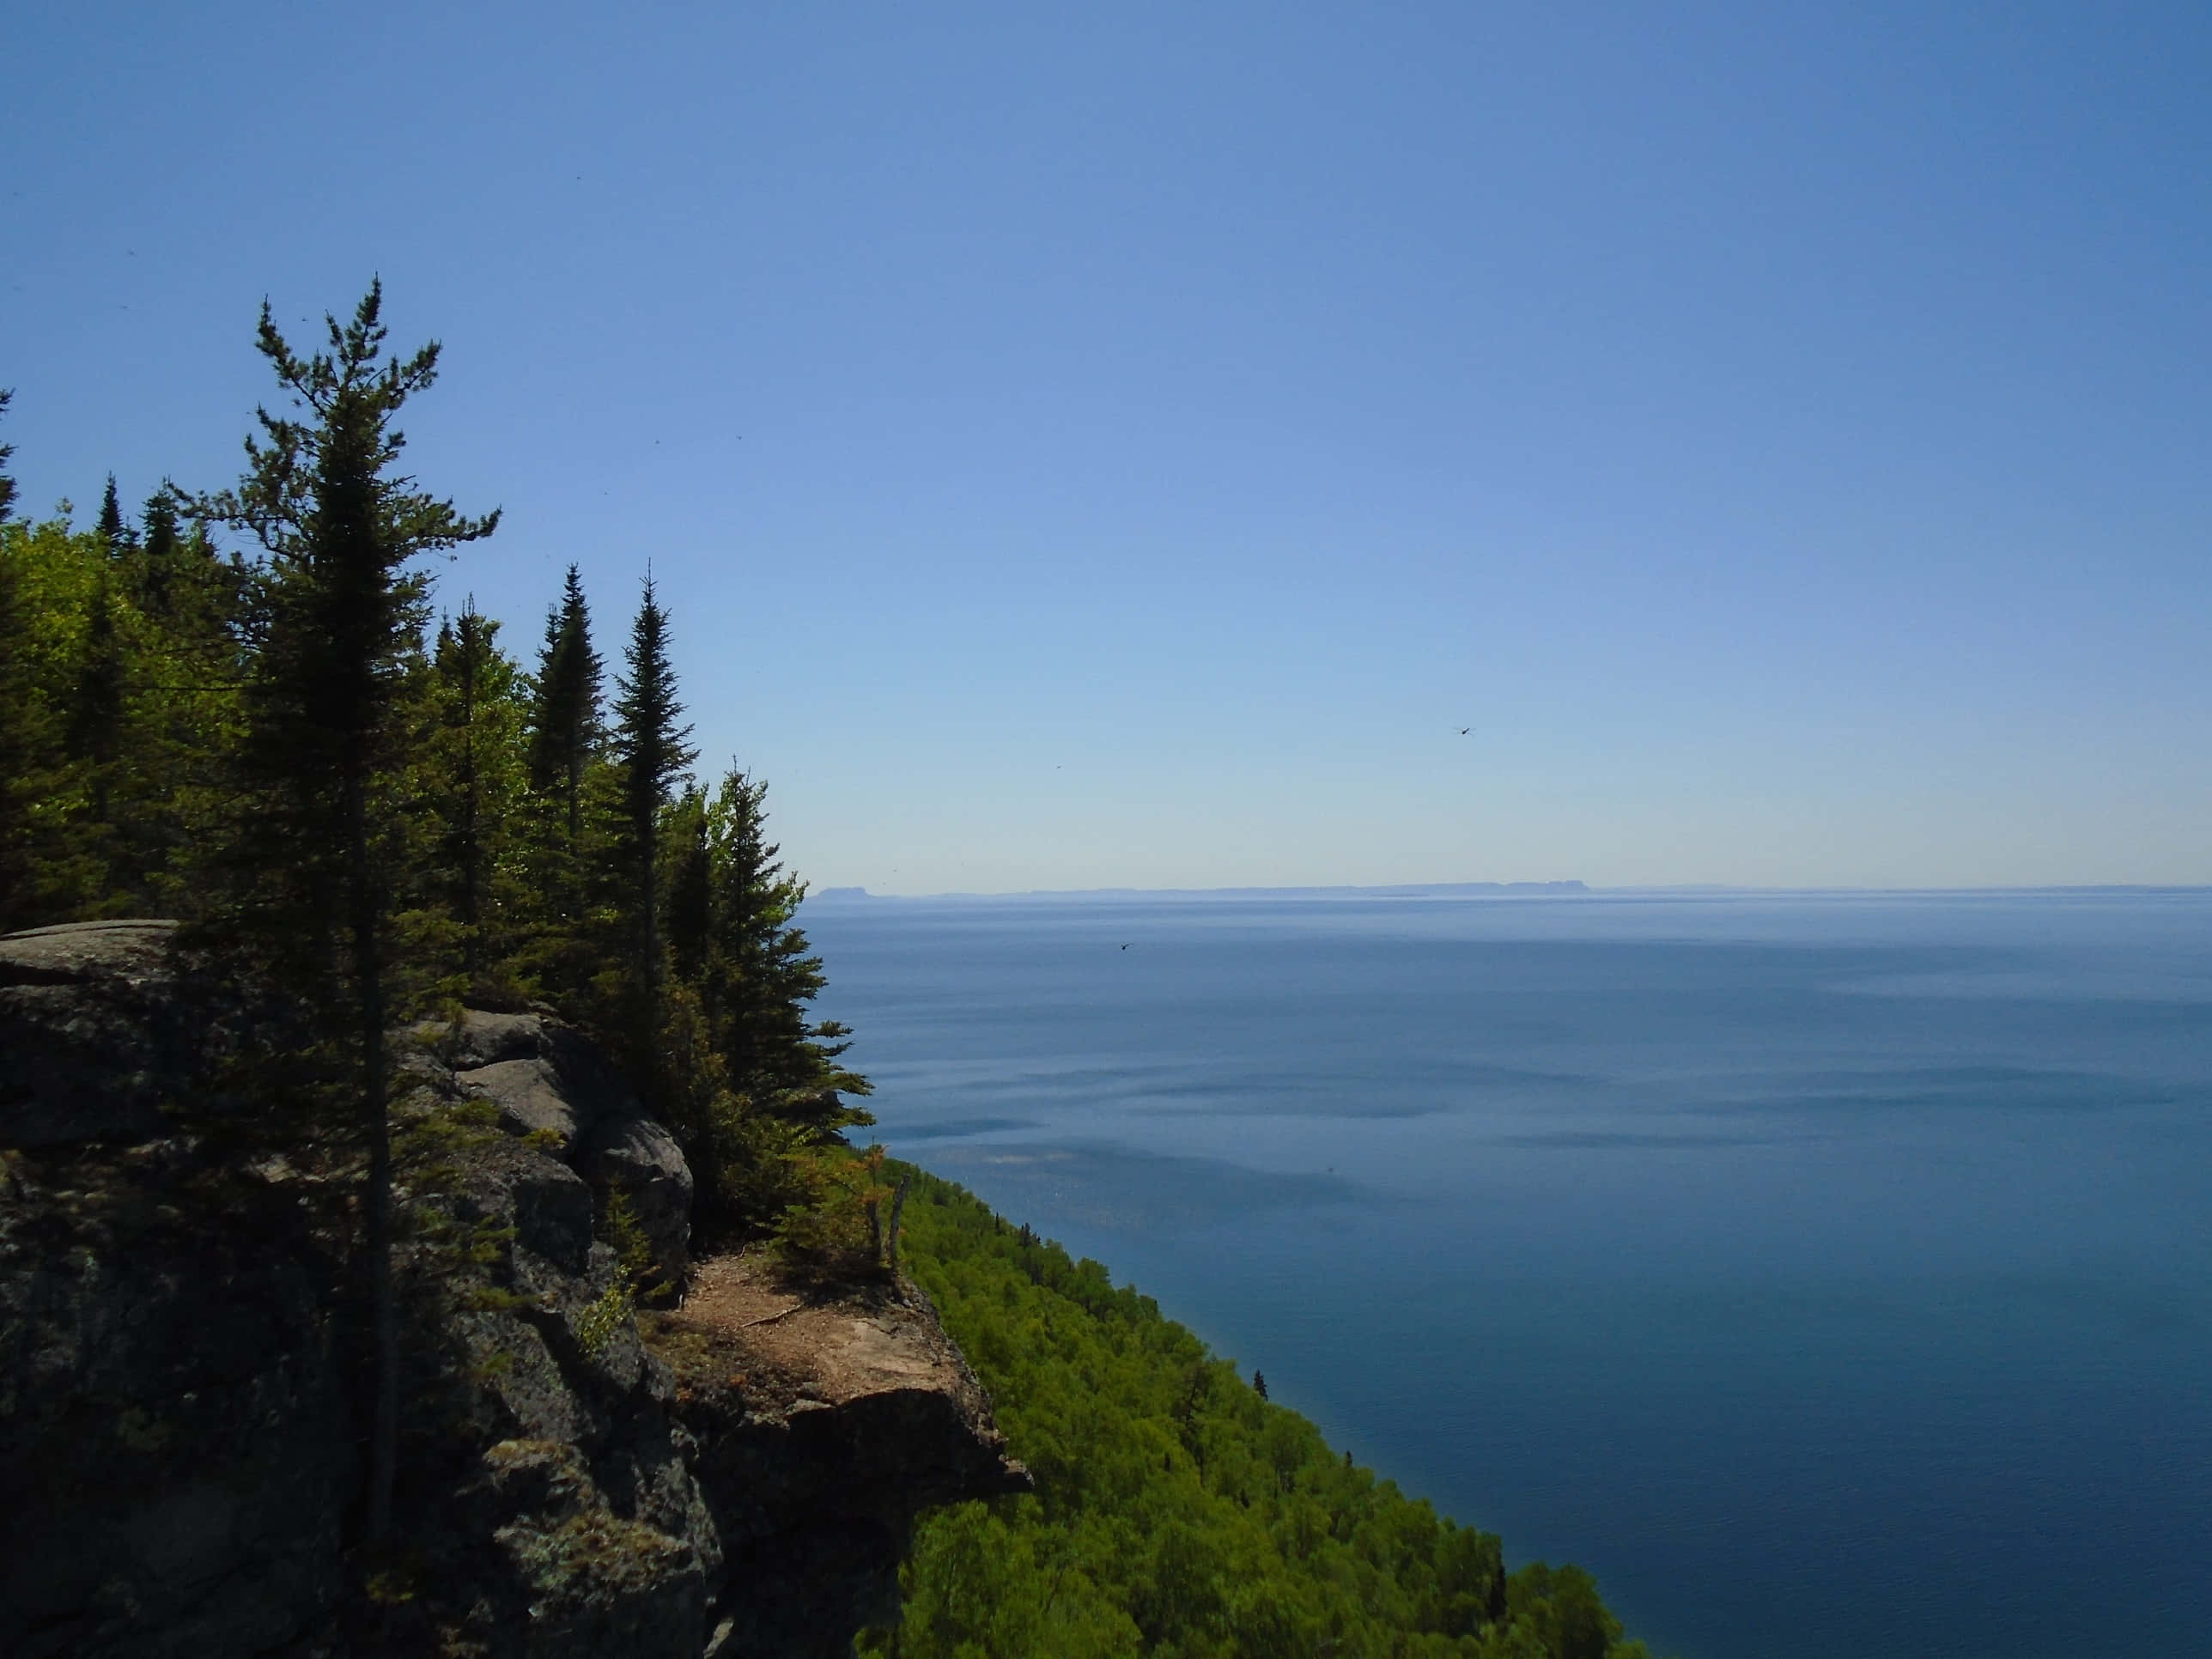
1409,889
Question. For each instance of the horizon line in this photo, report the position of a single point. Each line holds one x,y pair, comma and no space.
1556,890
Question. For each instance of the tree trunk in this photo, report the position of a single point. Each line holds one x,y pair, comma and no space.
649,975
368,980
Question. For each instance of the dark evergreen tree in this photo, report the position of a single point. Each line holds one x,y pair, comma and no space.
565,730
113,530
95,713
470,759
22,747
159,556
7,483
18,724
758,975
651,751
340,623
689,888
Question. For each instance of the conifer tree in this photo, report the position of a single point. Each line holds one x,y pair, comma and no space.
20,722
759,975
565,728
158,560
113,530
7,483
652,751
21,732
95,715
472,759
341,619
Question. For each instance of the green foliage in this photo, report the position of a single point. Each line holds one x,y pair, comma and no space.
615,1308
114,534
115,726
323,842
320,845
7,483
278,752
731,906
1178,1513
834,1221
633,1262
469,762
649,745
651,756
565,731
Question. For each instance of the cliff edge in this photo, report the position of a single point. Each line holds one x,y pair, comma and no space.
183,1384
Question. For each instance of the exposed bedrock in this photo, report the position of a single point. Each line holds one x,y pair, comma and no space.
182,1375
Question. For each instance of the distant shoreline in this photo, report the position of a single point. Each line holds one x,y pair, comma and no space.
1412,890
1510,890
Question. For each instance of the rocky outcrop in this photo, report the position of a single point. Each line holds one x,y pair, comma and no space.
75,1067
182,1381
819,1421
549,1083
176,1449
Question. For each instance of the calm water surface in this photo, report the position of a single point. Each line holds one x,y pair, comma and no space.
1832,1274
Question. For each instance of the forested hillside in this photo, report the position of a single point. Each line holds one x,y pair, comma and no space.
1178,1513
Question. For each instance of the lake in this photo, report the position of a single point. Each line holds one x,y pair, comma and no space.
1830,1273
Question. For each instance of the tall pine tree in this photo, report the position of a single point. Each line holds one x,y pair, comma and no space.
96,708
24,733
653,753
472,781
113,529
566,733
7,483
161,552
759,974
341,619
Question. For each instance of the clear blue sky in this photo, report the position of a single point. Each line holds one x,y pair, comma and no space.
1122,445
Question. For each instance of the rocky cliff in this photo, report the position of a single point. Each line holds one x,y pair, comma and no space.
182,1382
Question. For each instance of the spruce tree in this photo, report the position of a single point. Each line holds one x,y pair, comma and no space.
760,974
652,754
158,560
340,616
21,728
471,777
95,714
23,745
113,530
565,730
7,483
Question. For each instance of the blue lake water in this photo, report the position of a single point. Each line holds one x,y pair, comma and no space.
1831,1274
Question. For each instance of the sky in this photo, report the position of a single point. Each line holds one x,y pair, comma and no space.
1124,445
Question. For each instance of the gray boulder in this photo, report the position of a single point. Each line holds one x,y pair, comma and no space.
530,1098
92,1042
550,1080
640,1159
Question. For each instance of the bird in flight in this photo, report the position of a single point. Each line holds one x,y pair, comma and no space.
1125,947
1464,730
